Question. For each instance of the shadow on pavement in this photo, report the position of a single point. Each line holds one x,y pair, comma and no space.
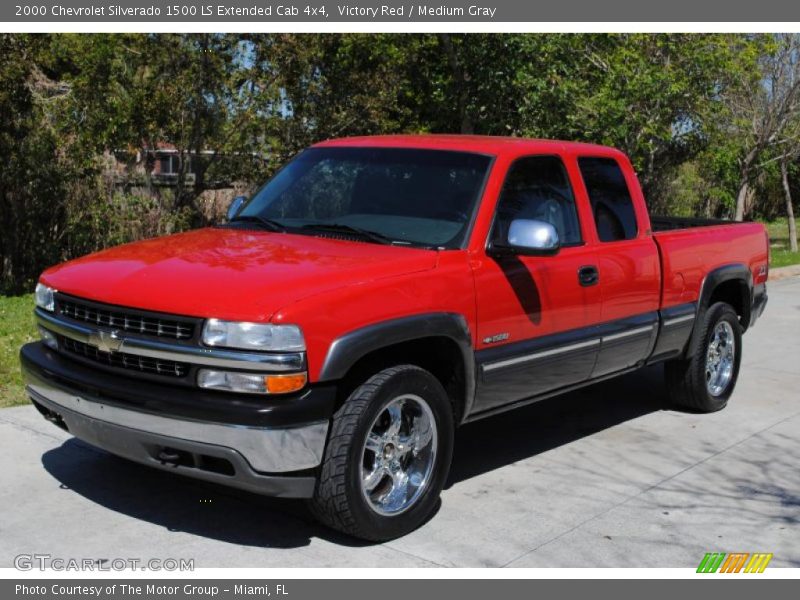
518,434
182,504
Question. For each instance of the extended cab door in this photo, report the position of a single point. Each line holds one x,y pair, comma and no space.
535,313
629,270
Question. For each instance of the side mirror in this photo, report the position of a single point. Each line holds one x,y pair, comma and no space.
533,237
235,205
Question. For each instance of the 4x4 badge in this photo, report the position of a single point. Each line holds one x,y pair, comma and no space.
106,341
493,339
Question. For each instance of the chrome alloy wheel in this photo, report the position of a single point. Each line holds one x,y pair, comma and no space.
720,358
398,455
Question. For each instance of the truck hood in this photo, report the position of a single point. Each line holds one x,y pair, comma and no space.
229,274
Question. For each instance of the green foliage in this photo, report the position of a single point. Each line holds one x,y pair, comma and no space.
650,95
784,258
16,328
238,106
327,85
120,218
36,172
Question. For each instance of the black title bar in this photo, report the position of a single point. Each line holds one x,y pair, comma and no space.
40,11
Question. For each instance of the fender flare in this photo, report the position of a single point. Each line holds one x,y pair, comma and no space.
715,277
346,350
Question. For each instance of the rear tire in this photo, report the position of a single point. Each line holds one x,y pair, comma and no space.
705,380
388,456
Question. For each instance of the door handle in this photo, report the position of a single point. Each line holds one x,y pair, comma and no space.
588,275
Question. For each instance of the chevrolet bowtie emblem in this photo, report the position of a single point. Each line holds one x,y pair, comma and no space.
106,341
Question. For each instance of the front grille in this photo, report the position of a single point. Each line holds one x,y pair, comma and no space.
119,318
125,361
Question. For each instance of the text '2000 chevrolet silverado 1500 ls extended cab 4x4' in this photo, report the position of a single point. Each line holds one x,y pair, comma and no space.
375,294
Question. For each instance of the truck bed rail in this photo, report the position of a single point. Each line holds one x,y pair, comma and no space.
663,223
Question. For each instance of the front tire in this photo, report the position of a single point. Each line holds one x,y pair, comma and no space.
387,457
705,380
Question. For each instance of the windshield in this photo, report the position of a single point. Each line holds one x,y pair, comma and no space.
394,195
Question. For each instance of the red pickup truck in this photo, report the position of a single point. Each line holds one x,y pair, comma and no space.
376,293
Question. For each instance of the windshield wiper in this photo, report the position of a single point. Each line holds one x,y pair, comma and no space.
268,223
364,233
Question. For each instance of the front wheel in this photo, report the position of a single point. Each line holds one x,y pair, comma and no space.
387,457
705,380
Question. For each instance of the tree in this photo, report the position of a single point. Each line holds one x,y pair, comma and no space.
762,111
38,166
652,96
191,94
136,92
327,85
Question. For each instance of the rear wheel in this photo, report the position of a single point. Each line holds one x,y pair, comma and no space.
387,457
705,380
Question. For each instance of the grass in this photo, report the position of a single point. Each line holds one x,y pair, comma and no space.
780,254
16,328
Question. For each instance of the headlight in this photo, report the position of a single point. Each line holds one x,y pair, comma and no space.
253,336
250,383
45,297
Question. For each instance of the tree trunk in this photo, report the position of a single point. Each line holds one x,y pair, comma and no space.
787,194
460,77
741,199
745,170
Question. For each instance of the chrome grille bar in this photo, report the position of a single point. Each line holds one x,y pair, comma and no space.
118,318
125,361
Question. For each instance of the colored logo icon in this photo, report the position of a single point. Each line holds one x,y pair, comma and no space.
737,562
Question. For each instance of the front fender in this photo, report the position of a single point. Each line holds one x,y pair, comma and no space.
348,349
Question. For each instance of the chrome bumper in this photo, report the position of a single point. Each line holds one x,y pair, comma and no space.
266,450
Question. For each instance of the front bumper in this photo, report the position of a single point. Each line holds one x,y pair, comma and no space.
258,447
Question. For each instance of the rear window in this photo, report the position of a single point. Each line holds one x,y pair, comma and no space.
612,206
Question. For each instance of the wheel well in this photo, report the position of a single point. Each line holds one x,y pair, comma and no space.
439,355
736,293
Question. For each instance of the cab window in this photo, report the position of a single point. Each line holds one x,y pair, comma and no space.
537,187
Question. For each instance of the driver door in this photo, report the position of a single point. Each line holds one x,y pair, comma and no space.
535,313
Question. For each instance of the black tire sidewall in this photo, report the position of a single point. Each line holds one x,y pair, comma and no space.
408,381
716,313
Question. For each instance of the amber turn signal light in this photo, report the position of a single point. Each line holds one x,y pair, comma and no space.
284,384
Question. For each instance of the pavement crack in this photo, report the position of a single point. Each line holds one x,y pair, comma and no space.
412,555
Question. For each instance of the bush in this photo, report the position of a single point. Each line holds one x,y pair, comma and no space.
119,217
75,217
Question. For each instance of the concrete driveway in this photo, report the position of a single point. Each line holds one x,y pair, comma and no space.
609,476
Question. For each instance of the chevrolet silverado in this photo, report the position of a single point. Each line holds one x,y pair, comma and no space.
378,292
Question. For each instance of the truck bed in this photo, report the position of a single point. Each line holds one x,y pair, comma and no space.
691,248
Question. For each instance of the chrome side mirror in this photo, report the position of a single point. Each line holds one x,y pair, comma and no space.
531,236
234,207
